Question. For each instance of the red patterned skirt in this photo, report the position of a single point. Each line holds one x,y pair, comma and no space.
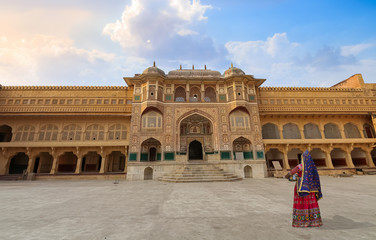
306,211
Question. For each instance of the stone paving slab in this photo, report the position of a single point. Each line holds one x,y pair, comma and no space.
247,209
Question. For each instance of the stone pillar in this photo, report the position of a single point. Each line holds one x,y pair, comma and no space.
54,165
103,164
78,165
280,130
30,164
369,158
328,159
349,161
301,129
286,164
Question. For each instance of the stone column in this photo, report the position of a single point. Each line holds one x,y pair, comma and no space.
328,159
78,165
301,129
280,130
30,164
369,158
54,164
286,164
103,162
349,161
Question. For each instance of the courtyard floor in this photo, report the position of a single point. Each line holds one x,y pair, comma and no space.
247,209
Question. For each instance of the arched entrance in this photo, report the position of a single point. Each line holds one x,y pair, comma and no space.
91,162
148,173
195,150
18,163
242,149
247,172
43,163
67,163
5,133
196,137
150,150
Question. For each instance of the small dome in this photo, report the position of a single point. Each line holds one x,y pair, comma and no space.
233,71
154,70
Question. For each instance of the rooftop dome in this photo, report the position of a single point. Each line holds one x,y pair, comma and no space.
233,71
154,70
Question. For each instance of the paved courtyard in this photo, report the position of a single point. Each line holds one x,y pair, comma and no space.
247,209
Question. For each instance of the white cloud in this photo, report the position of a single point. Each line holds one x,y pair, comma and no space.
163,29
355,49
48,60
286,63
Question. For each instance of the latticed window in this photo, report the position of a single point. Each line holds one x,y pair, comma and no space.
270,131
352,131
291,131
152,120
312,131
195,95
180,94
25,133
94,132
331,131
71,132
210,95
239,121
48,133
117,132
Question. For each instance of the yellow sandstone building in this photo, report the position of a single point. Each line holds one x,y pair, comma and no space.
190,120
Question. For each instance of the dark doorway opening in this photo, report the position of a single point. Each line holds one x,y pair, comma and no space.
152,154
195,150
18,163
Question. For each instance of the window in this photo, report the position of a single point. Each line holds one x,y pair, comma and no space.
270,131
239,120
71,133
94,132
25,133
117,132
152,120
48,133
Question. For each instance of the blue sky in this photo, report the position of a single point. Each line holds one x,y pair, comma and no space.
96,43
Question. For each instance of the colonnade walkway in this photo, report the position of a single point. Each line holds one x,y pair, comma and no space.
248,209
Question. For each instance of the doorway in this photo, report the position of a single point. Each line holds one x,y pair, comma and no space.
195,150
153,154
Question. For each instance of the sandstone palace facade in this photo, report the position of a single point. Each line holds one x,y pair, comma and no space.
161,123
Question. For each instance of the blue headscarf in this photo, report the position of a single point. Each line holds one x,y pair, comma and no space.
310,180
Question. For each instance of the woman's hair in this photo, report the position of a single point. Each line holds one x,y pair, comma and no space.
299,158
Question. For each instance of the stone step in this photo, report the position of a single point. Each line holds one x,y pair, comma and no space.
199,173
10,177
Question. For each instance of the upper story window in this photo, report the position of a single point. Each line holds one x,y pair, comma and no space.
270,131
331,131
352,131
117,132
312,131
239,120
71,132
210,95
48,133
25,133
291,131
368,131
94,132
152,120
180,94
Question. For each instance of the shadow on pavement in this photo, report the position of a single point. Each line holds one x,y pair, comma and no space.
339,222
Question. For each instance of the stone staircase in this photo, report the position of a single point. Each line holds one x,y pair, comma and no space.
199,172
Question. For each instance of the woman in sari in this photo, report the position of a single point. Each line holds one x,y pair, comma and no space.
306,211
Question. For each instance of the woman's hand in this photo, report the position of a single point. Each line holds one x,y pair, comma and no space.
288,175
